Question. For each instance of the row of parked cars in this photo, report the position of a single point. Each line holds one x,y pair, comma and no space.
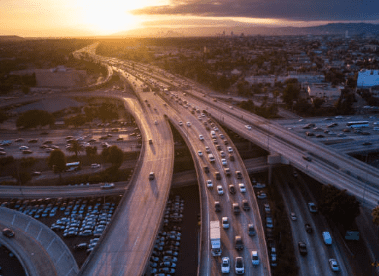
164,258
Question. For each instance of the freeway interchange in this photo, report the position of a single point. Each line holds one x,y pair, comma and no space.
125,247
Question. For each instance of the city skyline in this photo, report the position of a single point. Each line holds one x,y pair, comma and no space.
47,18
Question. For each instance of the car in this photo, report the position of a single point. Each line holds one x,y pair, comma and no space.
366,143
293,216
225,222
107,185
180,123
227,171
188,124
248,127
238,175
170,259
33,141
267,208
207,150
225,265
239,266
251,229
95,166
218,175
36,173
206,169
312,207
151,176
224,162
220,191
236,208
200,153
334,265
259,185
27,152
222,154
302,248
245,205
308,228
217,206
232,189
81,246
238,243
242,187
254,258
307,158
201,137
269,222
230,150
19,140
9,233
3,153
23,148
209,184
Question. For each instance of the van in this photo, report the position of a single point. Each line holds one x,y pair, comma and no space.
211,158
327,238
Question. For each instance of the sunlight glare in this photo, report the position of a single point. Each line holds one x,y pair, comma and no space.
108,17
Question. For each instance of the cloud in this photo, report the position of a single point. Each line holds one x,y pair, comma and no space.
307,10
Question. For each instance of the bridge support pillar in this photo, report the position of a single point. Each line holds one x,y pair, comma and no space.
272,159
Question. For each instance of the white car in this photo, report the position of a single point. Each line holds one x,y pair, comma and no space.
220,191
23,148
200,153
242,187
225,265
224,163
201,137
254,258
230,150
248,127
209,183
225,222
95,166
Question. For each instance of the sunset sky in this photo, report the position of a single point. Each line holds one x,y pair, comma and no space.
45,18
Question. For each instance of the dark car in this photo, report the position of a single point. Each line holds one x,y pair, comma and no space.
217,206
232,189
302,248
8,233
245,205
238,174
206,169
308,228
251,229
238,242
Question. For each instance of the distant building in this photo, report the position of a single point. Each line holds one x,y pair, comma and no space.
367,79
324,91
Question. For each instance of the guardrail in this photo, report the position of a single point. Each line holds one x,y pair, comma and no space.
58,251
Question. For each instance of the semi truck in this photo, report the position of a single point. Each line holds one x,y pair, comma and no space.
215,238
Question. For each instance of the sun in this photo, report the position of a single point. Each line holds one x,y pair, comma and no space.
107,17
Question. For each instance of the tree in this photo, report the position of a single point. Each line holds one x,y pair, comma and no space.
339,206
115,156
75,147
57,161
90,151
291,93
34,118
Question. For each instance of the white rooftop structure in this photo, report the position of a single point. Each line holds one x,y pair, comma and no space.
367,78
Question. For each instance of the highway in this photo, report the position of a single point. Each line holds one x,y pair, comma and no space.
336,168
125,247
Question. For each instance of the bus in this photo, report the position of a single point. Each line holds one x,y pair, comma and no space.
73,166
358,124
